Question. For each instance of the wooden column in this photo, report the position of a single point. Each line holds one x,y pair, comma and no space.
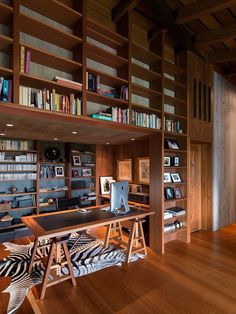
16,51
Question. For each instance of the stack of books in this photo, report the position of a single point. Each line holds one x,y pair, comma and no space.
25,58
68,83
16,145
146,120
5,90
176,211
114,114
49,100
172,126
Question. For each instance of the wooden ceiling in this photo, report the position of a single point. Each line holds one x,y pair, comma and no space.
207,27
43,125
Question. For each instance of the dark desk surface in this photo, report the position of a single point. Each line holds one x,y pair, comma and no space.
59,223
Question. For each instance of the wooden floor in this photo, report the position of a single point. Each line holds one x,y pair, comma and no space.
195,278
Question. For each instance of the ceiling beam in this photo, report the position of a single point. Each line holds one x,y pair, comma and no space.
216,35
230,71
122,7
164,16
201,7
222,56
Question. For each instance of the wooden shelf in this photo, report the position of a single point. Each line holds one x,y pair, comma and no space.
6,14
177,200
52,162
40,83
6,71
18,180
144,55
141,108
175,183
167,133
105,36
18,209
173,67
175,167
108,79
175,116
47,32
53,191
6,44
52,60
53,179
143,73
17,194
175,218
42,205
176,151
103,56
105,100
17,162
17,171
173,84
54,10
83,177
175,100
144,91
175,231
17,151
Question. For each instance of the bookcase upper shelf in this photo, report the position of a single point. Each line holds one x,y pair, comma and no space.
5,44
54,10
6,14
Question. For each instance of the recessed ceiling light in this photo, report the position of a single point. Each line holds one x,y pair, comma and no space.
74,132
9,124
55,139
2,134
108,143
132,139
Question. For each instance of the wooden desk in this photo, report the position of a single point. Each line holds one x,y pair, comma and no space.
62,224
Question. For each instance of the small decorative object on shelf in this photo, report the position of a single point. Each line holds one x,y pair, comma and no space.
175,177
177,193
167,177
13,189
171,144
77,161
169,193
52,153
59,172
167,161
105,184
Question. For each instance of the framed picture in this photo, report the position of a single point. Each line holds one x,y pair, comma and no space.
75,173
176,161
167,177
59,172
87,172
143,170
124,170
76,161
135,188
171,144
175,177
105,184
177,193
166,161
169,193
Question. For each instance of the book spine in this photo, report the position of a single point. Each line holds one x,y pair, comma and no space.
27,60
9,96
1,83
22,59
5,91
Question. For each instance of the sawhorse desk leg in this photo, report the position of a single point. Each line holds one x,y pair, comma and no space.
115,228
136,237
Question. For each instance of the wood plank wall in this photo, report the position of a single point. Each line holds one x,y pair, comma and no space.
224,153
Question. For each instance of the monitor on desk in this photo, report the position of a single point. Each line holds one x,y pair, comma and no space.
119,197
68,203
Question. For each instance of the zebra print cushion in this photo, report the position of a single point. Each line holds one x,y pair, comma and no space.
87,256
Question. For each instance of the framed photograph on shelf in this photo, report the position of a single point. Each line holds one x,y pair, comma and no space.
77,161
87,172
124,170
135,188
166,161
105,184
176,161
59,172
167,177
75,173
143,170
177,193
168,193
175,177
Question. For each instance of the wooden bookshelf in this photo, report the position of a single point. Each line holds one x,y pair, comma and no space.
6,14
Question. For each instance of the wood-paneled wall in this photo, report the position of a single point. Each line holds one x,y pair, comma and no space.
224,153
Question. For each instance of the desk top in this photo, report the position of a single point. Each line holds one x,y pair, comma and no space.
61,223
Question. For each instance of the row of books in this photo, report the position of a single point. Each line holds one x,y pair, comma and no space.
93,85
114,114
16,145
49,100
173,126
146,120
174,212
5,90
9,157
12,167
53,189
17,176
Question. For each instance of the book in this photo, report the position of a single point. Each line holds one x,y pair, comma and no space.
4,97
68,83
9,96
27,61
1,83
177,211
100,116
22,59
